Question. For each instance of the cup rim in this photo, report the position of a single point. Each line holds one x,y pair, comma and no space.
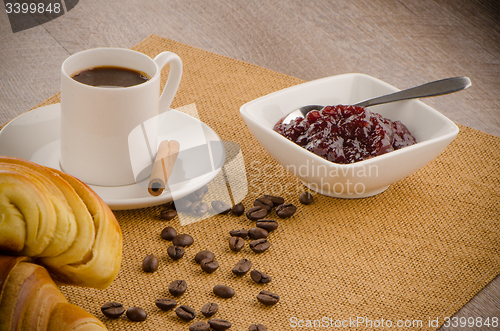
126,50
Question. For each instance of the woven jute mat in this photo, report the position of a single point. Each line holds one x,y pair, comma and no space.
417,252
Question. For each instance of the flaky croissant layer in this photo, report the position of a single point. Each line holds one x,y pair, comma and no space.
31,301
58,221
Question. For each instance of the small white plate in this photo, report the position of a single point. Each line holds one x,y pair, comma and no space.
35,136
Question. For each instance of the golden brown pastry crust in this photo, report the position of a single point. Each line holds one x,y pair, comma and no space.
60,222
68,317
104,259
30,300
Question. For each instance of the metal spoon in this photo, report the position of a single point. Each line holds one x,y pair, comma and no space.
438,87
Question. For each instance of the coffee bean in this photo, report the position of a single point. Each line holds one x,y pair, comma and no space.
238,209
209,309
196,195
199,326
223,291
183,205
185,313
259,277
204,255
220,207
183,240
257,233
204,189
136,314
276,200
242,267
177,287
285,210
199,208
236,244
175,252
112,309
256,213
165,304
168,214
268,298
257,327
168,233
150,263
243,233
306,198
209,265
219,324
259,245
264,203
266,224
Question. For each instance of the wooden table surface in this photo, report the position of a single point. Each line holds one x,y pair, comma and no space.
402,42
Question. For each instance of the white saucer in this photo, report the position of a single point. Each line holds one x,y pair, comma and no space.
35,136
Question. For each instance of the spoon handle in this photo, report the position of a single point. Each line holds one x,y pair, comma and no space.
438,87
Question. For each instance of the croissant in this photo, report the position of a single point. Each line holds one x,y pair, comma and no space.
30,300
58,221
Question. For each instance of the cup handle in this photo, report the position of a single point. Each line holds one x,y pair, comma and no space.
173,80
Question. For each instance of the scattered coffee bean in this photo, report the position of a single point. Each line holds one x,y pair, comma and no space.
165,304
236,244
175,252
183,205
243,233
209,265
219,324
256,213
199,208
204,189
177,287
168,233
264,203
242,267
199,326
306,198
268,298
150,263
276,200
223,291
185,313
259,277
204,255
259,245
257,327
168,214
238,209
112,309
136,314
220,207
209,309
285,210
266,224
196,195
183,240
257,233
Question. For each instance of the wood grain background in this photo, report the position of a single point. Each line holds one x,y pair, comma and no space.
403,42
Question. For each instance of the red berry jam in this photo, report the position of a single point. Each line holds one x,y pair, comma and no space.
346,134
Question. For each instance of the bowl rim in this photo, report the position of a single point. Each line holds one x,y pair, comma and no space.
447,135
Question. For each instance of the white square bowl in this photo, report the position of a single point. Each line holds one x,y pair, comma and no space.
432,130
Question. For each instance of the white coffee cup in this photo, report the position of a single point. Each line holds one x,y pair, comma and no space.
96,121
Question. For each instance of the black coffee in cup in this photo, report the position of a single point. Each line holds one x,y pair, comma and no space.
110,76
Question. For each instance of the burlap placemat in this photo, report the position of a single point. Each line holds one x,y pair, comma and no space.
417,252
